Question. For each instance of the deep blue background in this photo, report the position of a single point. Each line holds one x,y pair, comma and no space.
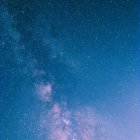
88,49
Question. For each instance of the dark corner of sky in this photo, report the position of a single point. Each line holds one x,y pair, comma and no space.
69,70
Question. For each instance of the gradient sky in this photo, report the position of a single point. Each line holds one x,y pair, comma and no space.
69,70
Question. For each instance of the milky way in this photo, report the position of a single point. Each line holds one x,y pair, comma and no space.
61,124
69,70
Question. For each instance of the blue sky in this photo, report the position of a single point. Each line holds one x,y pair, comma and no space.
69,64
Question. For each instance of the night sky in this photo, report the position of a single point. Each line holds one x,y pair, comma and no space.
69,70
